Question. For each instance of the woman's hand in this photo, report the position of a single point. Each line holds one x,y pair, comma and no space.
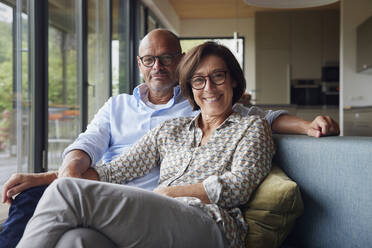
192,190
166,191
19,182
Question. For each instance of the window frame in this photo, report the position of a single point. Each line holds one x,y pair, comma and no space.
37,11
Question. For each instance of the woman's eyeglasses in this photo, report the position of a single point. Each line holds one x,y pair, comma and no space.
199,82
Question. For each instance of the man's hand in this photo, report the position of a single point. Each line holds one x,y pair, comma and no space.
320,126
21,181
74,164
323,126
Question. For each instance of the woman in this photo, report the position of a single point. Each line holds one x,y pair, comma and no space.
210,165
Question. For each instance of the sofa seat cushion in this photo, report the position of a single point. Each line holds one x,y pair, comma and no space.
272,210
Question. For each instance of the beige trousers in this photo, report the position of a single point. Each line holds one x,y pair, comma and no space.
128,216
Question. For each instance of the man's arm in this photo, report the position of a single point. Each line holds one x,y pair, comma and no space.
74,164
282,122
76,160
21,181
320,126
85,151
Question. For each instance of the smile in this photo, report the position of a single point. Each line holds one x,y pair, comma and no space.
212,99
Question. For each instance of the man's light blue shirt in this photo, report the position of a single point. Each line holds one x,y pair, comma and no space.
124,119
121,122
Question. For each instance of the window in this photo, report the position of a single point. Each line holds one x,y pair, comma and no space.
64,89
126,31
99,58
147,23
235,46
15,100
120,47
41,115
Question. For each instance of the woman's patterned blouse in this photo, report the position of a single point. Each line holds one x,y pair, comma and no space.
231,165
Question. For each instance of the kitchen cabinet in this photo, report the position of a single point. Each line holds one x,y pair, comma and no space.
306,45
293,45
272,58
273,75
331,37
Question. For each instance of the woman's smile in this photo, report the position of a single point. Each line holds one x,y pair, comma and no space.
212,99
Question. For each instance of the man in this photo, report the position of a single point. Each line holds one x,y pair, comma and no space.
124,119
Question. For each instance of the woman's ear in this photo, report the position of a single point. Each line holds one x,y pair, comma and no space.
234,84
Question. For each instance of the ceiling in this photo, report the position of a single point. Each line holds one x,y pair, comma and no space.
202,9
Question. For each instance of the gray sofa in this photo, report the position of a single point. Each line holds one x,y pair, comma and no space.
335,178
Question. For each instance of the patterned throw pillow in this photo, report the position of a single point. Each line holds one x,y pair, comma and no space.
272,210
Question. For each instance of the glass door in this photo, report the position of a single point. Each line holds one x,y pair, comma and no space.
64,89
15,103
99,55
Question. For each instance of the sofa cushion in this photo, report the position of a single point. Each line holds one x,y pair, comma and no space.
272,210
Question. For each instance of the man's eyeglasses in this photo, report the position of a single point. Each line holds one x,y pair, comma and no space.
199,82
165,59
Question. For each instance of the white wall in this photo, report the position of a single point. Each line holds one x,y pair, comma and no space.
225,28
356,87
166,14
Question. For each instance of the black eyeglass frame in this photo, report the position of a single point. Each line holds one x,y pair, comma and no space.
173,56
205,80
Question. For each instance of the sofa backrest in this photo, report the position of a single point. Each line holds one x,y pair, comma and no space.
335,179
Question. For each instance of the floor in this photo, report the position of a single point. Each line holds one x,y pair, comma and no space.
358,121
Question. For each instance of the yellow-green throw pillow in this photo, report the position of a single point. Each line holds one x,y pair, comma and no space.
272,210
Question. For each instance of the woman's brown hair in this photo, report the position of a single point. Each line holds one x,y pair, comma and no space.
191,60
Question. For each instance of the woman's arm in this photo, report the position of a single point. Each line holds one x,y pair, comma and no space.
136,162
250,165
192,190
90,174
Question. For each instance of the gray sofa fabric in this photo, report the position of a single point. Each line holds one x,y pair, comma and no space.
335,178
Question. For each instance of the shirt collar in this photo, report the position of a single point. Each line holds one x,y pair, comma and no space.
141,93
233,118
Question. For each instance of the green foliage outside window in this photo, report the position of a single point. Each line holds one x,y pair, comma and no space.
62,68
6,66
